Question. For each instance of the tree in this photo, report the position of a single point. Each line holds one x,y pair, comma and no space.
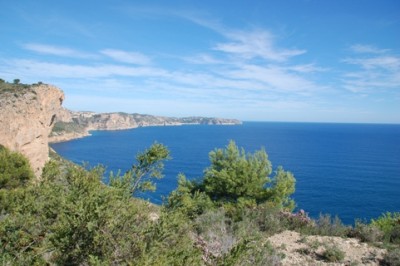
149,165
233,174
15,169
235,179
16,81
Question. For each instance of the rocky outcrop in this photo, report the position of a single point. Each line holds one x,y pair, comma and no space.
27,116
70,125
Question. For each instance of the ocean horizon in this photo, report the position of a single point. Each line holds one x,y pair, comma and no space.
351,170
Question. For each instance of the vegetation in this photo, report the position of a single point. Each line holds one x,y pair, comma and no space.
70,217
235,181
15,170
15,88
67,127
333,254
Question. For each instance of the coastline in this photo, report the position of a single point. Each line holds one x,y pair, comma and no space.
68,136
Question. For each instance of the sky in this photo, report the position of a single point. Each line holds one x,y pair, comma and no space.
258,60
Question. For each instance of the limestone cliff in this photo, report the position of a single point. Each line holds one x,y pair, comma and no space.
71,125
27,116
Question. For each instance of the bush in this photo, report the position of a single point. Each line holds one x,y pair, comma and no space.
333,254
15,170
389,224
392,258
325,225
235,180
72,218
249,252
367,232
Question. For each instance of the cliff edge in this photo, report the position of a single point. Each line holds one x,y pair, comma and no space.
71,125
27,116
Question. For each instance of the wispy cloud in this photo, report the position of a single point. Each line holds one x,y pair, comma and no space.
256,43
247,44
127,57
365,48
384,62
306,68
203,59
50,70
244,68
274,78
56,50
376,72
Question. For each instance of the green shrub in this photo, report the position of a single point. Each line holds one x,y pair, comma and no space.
15,88
235,180
325,225
367,232
215,229
72,218
15,170
188,199
248,252
389,224
333,254
392,257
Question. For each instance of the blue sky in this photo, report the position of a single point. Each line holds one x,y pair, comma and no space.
297,60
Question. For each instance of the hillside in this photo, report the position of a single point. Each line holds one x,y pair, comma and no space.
31,116
71,124
240,212
27,116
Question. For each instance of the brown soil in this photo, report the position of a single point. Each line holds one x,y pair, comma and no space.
309,250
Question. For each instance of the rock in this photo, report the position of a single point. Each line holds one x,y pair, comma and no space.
27,116
71,125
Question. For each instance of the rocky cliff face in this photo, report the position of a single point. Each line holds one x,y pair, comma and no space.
71,125
27,116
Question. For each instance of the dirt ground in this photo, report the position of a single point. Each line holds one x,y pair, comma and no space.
311,250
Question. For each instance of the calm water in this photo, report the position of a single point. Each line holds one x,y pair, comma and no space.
349,170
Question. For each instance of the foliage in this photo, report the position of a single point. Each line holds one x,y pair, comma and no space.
188,199
366,232
235,180
68,127
149,165
389,224
233,174
15,88
392,257
15,170
333,254
70,217
325,225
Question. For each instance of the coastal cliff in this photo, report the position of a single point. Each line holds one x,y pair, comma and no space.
27,116
71,125
31,116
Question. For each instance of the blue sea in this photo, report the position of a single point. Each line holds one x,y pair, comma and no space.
349,170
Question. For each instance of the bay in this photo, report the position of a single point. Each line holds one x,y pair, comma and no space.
349,170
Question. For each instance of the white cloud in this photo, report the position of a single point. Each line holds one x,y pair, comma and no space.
307,68
203,59
274,78
375,73
43,70
258,43
127,57
56,50
385,62
364,48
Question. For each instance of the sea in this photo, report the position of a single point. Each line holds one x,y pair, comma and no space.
347,170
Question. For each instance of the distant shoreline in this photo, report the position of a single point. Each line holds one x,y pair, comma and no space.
68,136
